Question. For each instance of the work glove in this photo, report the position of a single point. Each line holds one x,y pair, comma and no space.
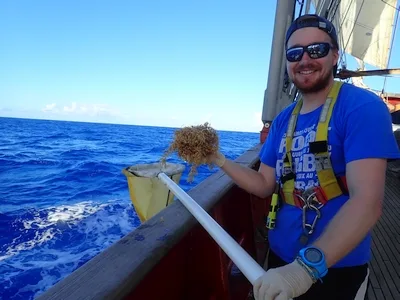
283,283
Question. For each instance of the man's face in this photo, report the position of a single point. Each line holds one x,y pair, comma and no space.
311,75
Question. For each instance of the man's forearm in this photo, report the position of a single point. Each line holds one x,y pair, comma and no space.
347,229
248,179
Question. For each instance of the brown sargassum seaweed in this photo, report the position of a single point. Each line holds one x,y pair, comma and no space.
195,145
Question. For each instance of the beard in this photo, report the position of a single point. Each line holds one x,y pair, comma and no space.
313,84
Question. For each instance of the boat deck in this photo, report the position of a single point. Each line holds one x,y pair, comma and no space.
385,266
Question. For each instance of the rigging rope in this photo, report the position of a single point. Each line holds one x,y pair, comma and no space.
391,45
355,22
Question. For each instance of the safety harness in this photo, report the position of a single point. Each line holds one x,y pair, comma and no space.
330,186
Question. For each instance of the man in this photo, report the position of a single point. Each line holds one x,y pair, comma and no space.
326,255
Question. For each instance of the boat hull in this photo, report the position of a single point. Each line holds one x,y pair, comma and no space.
170,256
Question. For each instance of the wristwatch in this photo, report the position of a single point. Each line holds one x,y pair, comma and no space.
314,258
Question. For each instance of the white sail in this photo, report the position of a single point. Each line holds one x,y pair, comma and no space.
358,81
365,27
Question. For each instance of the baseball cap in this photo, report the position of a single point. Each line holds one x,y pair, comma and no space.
313,20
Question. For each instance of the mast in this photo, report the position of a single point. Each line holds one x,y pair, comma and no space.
278,94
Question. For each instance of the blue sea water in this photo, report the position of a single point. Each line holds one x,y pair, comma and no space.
63,198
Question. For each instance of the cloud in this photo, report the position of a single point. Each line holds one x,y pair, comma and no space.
85,112
83,109
70,109
249,121
50,108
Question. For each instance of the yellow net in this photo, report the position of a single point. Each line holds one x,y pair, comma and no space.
148,194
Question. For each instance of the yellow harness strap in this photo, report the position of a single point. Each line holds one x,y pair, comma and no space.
326,177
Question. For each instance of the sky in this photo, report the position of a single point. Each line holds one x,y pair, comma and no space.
160,63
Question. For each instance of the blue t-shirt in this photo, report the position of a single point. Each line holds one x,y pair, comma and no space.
360,127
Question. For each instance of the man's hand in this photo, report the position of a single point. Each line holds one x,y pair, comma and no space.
218,159
283,283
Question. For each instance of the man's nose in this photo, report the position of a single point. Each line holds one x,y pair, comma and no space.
305,57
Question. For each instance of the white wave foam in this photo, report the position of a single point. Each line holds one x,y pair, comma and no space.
65,237
70,214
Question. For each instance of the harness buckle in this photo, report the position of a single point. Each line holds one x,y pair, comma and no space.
286,170
322,162
312,196
309,228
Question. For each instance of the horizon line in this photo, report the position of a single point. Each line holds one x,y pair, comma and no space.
124,124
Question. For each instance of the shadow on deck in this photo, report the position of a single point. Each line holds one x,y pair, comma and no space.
385,265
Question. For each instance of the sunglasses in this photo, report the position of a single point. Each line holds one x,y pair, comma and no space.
314,51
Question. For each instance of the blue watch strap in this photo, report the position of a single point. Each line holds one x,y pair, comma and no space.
314,258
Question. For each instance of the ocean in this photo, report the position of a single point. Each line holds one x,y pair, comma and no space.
63,197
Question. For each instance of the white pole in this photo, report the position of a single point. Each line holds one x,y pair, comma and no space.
249,267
